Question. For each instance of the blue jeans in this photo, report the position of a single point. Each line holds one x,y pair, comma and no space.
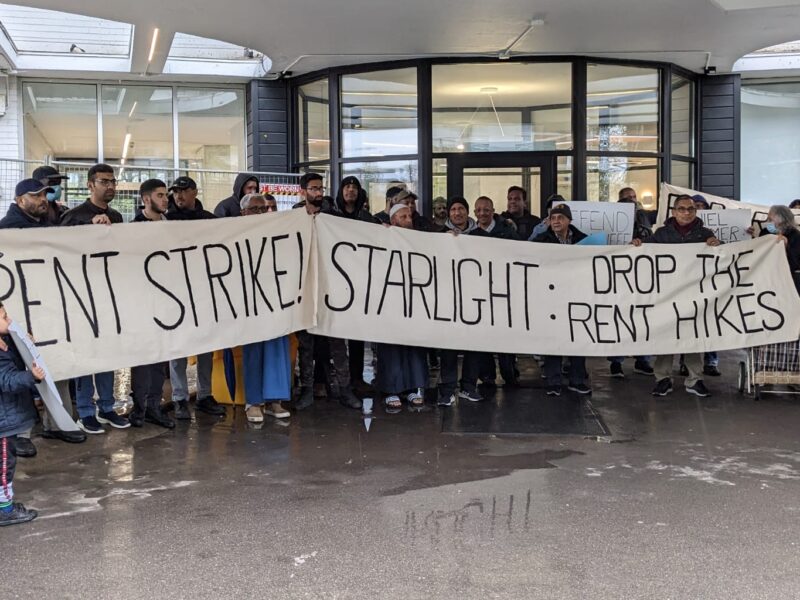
710,359
84,393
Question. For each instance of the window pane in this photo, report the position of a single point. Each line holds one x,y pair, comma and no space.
502,107
440,178
622,109
564,178
770,142
494,183
607,175
211,129
379,113
682,174
137,125
60,121
682,123
376,178
312,111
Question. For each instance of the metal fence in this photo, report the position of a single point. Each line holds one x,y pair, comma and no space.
212,186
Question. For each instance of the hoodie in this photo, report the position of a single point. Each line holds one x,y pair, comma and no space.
471,226
231,207
180,214
360,213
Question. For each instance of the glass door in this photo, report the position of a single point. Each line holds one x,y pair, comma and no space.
472,176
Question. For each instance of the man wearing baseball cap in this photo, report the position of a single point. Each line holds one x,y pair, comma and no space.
50,177
30,206
184,205
561,231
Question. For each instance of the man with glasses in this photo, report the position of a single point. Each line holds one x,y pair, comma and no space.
49,176
96,211
311,193
683,227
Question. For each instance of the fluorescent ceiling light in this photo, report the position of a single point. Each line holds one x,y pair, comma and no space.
133,108
153,45
125,145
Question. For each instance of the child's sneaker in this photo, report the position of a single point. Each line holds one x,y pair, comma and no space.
17,514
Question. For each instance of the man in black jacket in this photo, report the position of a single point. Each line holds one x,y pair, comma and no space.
683,227
97,209
186,207
49,176
517,211
561,231
245,183
30,210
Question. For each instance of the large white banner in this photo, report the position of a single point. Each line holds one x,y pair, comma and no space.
98,297
615,219
474,293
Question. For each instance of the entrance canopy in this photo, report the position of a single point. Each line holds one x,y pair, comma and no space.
305,36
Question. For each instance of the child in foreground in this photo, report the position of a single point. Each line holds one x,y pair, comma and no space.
17,414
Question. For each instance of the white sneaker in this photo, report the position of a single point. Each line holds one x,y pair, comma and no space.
276,410
254,414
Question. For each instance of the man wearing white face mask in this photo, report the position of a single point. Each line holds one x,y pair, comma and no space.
50,177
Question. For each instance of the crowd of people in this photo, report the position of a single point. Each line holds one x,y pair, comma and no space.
401,372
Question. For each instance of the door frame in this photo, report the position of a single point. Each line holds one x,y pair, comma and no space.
547,164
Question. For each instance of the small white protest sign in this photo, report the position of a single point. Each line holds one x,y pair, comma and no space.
728,225
612,218
47,387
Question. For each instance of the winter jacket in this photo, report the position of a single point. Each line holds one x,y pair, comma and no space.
55,212
180,214
641,226
549,236
524,223
502,230
17,412
471,225
359,214
669,234
423,223
17,219
231,206
84,213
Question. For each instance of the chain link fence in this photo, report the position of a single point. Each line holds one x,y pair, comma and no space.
212,186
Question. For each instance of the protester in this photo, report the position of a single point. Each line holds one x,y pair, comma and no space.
184,205
683,227
266,366
50,177
245,183
392,193
311,192
458,222
540,228
420,221
439,207
710,359
795,204
561,231
147,381
402,370
517,211
97,211
641,231
31,210
17,415
489,224
781,222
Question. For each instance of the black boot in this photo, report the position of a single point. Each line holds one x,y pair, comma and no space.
305,399
156,417
136,417
24,448
182,410
18,514
210,406
349,399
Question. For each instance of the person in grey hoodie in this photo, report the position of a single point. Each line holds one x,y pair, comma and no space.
245,183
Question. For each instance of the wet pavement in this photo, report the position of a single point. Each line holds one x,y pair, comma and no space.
684,498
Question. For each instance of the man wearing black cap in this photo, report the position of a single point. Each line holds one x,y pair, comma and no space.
50,177
458,219
30,210
245,183
96,211
561,231
184,205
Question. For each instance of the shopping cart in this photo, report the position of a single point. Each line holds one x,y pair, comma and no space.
771,365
